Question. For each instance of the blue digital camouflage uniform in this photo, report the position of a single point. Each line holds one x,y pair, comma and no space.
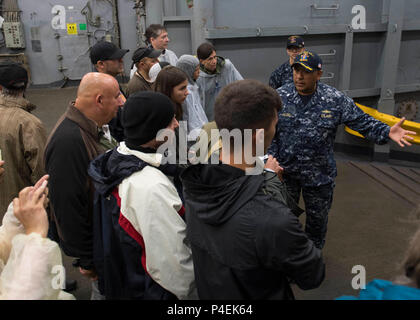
281,76
303,145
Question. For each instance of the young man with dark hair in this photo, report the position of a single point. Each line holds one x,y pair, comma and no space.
108,58
245,243
215,73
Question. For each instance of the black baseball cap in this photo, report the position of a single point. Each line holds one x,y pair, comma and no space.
309,60
105,50
145,52
295,41
13,75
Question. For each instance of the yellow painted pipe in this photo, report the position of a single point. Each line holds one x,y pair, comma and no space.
389,120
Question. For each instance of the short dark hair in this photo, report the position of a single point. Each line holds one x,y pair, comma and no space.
205,50
153,31
246,104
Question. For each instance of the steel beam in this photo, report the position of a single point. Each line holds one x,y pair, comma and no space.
176,18
202,20
228,33
372,92
389,64
348,54
169,8
154,12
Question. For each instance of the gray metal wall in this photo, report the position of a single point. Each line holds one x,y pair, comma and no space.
59,54
54,54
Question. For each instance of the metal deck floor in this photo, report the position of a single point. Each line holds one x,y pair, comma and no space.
370,222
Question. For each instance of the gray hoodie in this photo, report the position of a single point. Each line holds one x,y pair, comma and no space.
193,111
211,84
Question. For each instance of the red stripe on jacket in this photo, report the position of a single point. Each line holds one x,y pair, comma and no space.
181,211
131,231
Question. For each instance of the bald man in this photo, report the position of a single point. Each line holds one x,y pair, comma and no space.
73,143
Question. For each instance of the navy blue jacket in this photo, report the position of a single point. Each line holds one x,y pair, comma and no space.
281,76
305,134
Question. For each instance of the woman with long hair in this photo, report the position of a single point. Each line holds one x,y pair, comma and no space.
173,82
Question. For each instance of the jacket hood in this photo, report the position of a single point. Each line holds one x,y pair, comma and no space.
111,168
188,64
216,192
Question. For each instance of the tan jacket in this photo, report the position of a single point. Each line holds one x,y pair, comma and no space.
138,83
22,141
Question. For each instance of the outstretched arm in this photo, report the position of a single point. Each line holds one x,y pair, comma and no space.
400,135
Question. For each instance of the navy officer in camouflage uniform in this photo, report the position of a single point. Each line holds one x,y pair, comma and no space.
284,74
304,140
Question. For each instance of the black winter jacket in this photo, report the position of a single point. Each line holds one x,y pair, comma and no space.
72,144
245,243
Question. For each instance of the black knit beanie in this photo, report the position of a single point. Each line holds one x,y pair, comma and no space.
144,114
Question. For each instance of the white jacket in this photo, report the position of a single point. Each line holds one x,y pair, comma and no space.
150,202
30,265
169,56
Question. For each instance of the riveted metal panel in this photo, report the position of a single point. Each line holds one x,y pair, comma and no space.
242,14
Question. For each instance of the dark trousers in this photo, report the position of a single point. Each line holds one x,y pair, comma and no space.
317,205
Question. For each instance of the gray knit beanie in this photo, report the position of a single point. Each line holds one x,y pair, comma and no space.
188,64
